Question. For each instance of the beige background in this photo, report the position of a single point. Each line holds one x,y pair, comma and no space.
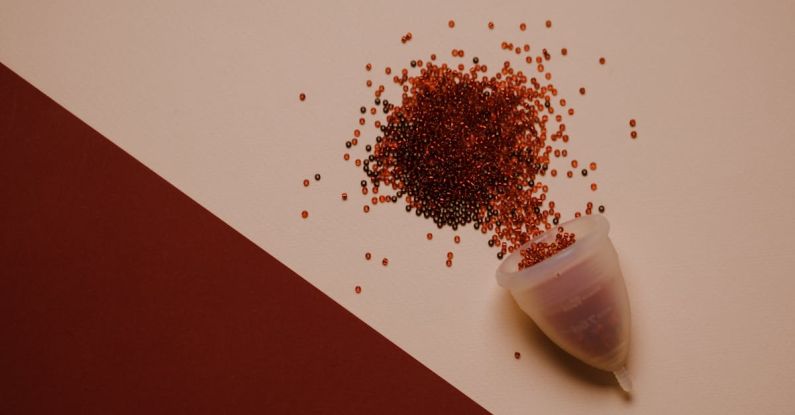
205,94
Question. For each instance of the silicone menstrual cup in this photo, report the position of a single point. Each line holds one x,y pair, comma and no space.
577,297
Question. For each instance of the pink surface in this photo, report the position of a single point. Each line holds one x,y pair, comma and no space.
699,204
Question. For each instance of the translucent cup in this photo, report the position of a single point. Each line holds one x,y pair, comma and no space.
577,297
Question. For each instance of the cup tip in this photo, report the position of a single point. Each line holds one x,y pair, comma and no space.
622,376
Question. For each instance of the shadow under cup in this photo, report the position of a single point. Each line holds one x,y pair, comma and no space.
577,297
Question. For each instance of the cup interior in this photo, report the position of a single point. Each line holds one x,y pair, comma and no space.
589,231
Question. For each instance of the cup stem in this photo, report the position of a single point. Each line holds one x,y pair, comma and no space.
622,376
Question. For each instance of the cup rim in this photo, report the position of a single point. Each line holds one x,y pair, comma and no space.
589,230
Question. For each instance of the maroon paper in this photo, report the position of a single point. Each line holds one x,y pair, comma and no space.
120,294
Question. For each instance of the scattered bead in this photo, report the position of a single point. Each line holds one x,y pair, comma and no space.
302,96
539,251
432,168
304,214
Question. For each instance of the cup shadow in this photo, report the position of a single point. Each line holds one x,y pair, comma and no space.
537,340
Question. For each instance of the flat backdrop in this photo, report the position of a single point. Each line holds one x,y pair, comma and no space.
700,204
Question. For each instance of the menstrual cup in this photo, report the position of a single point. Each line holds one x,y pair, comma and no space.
577,297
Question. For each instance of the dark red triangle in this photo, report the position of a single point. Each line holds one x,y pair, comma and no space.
120,294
